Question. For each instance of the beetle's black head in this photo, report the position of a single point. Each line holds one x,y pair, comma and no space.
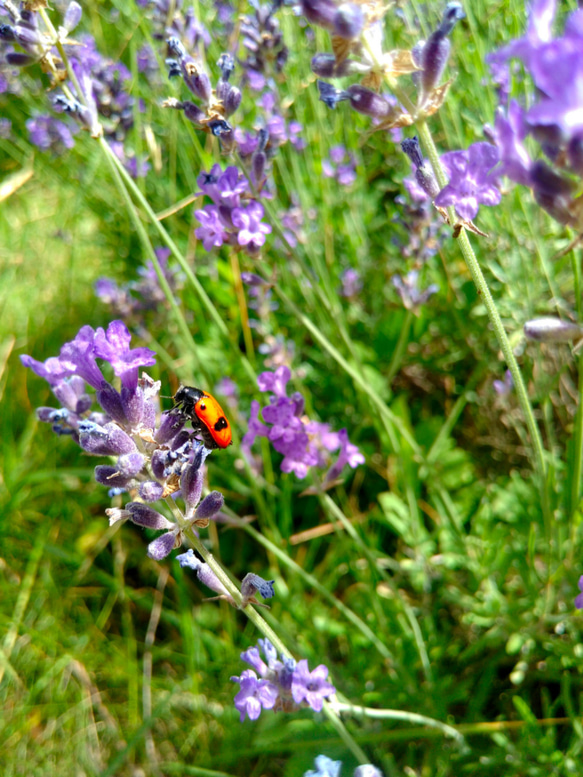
186,398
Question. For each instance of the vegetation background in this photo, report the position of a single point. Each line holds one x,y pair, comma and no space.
443,594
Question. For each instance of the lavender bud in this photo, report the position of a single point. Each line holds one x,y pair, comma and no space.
192,112
48,415
435,53
191,485
331,96
552,330
250,279
170,425
149,416
161,546
349,21
226,65
7,33
151,491
108,440
142,515
299,404
110,401
72,16
253,583
130,464
27,36
323,65
232,101
411,147
366,101
426,179
132,401
17,59
198,82
320,12
258,162
109,476
204,574
158,463
452,15
210,505
175,47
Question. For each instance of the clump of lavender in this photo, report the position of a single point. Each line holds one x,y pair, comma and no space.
214,106
234,218
280,684
303,443
357,49
132,299
97,97
155,457
554,120
263,40
50,134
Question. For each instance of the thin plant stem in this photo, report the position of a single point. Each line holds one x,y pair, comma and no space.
400,348
408,717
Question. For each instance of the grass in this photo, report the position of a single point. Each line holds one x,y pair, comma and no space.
430,581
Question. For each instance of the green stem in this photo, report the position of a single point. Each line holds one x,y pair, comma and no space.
408,717
402,343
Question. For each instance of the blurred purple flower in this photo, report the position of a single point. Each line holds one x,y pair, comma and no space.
579,598
312,687
47,132
408,289
471,181
351,283
341,166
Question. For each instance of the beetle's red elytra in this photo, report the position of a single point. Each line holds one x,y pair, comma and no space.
206,415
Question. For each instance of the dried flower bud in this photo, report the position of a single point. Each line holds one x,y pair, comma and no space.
330,95
552,330
232,100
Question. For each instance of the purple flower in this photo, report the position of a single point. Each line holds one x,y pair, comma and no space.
349,454
47,132
409,291
509,132
325,767
471,182
579,599
212,232
254,695
79,355
351,283
311,687
251,230
504,387
113,346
